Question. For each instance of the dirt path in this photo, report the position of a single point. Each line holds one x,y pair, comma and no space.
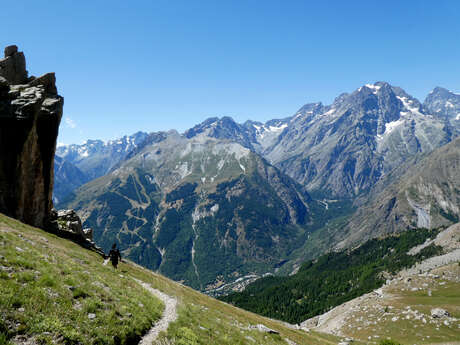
169,314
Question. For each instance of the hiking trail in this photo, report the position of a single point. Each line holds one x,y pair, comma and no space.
169,314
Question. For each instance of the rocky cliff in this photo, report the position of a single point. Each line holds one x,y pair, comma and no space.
30,113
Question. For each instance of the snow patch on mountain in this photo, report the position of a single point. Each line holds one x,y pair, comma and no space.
390,127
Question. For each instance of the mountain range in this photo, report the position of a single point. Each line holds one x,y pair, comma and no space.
227,202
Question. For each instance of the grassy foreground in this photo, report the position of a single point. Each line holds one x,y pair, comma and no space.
55,292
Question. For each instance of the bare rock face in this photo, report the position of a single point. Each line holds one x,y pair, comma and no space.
30,113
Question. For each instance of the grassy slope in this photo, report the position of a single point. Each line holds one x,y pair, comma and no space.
58,284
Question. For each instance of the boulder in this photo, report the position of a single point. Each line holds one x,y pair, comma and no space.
265,329
438,313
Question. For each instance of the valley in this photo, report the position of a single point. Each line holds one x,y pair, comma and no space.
261,198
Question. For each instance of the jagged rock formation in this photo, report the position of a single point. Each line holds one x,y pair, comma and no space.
30,113
69,221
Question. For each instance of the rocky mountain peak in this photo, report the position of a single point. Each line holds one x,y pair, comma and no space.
220,128
444,104
439,92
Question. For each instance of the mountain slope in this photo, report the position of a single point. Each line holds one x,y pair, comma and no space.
200,209
425,196
54,292
67,178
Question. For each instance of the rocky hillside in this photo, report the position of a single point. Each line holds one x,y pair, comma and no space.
419,305
30,113
199,209
425,196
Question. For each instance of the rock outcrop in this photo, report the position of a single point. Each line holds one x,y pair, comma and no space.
67,224
30,114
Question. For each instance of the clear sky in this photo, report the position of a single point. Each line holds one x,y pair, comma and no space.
148,65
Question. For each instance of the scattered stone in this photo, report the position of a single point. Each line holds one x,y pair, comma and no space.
91,316
20,250
21,310
439,313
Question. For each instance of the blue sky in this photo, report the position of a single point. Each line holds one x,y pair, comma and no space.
125,66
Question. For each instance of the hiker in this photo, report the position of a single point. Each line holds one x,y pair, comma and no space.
114,255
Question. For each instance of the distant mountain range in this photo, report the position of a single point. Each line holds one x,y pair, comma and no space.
224,200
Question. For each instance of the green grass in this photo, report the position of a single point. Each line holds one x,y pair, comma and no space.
48,285
59,283
210,321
